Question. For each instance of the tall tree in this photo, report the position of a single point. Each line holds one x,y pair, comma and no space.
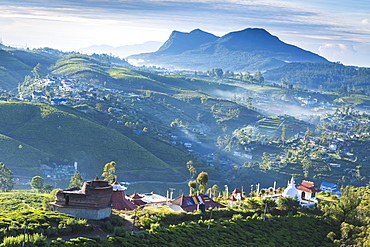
76,180
202,180
108,172
37,183
283,133
6,178
36,71
192,186
288,204
191,169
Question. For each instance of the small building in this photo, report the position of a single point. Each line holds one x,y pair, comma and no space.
191,203
308,191
92,201
329,187
136,199
154,200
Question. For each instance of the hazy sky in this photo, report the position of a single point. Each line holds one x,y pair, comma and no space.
336,29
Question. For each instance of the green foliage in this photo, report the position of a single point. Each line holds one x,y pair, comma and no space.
76,180
329,75
6,178
109,172
23,201
202,181
17,241
37,183
41,127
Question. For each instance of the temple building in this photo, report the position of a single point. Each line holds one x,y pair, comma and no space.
307,191
92,201
119,200
236,198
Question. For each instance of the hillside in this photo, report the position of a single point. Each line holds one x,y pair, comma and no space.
39,133
328,75
16,64
249,49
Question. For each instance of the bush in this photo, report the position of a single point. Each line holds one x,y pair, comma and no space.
27,238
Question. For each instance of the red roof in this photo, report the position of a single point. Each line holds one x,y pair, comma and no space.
236,191
232,198
120,202
135,196
307,187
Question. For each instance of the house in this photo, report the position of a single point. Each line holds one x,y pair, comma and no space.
192,203
308,191
92,201
329,187
154,200
136,199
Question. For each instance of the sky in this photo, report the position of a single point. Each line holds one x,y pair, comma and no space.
339,30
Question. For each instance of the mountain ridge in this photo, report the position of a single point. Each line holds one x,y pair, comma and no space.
237,50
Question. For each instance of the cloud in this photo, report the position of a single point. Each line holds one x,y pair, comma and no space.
337,52
81,23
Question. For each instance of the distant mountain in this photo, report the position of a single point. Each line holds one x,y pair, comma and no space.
180,42
122,51
249,49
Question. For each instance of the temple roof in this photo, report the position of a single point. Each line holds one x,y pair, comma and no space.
116,186
120,202
236,191
308,187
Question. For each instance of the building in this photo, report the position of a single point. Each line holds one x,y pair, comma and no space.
307,191
92,201
192,203
119,200
236,198
329,187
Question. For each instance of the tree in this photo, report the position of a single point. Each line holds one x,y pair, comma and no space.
253,203
36,71
283,133
108,172
346,209
192,186
202,180
258,77
37,183
288,204
215,190
47,188
76,180
6,178
191,169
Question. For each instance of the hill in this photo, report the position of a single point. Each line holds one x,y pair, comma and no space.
249,49
328,75
16,64
36,133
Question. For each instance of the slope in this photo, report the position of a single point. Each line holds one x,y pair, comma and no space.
16,64
52,134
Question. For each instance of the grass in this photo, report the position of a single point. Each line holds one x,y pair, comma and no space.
41,133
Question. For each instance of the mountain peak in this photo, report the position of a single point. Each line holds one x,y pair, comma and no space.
180,42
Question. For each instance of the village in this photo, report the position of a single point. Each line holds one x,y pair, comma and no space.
97,198
336,160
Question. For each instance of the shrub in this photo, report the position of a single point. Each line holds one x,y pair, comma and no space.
27,238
